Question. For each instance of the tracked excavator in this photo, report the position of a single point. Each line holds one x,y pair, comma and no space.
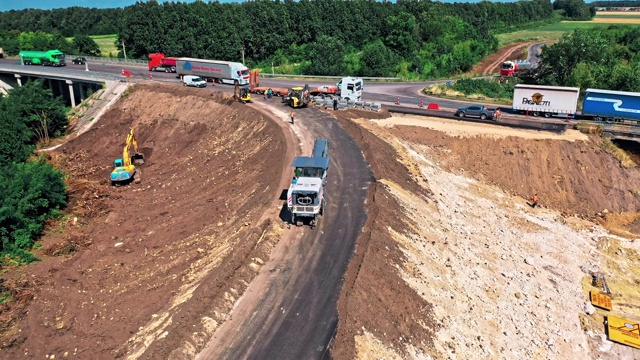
242,94
124,169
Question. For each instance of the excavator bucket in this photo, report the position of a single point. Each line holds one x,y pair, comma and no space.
137,159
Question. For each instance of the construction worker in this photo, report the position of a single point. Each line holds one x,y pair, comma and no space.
335,104
498,115
293,115
534,200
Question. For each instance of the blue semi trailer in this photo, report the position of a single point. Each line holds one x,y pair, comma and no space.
612,106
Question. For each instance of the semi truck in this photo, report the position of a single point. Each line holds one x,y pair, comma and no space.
159,62
612,106
514,67
46,58
226,72
548,101
348,88
306,195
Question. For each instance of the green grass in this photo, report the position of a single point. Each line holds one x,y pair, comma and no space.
106,44
556,30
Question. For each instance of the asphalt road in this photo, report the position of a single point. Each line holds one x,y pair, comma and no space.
296,315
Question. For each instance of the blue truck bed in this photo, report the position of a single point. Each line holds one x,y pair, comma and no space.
611,104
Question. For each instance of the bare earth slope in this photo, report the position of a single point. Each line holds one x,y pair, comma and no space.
473,271
161,262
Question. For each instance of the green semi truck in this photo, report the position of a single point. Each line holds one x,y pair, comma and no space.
46,58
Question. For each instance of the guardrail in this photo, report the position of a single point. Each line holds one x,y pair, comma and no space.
136,62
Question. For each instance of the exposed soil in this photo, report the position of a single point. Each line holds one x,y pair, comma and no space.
451,262
137,263
479,266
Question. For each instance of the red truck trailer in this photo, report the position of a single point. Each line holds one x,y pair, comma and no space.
158,62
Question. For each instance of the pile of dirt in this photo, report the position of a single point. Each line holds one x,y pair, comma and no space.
137,269
480,267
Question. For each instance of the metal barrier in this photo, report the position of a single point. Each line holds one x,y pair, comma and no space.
328,77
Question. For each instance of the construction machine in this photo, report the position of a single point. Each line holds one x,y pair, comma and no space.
124,169
298,97
242,93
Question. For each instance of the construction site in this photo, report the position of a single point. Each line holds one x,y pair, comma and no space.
449,260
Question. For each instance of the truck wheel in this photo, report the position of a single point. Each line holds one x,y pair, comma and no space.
536,114
153,68
547,115
483,116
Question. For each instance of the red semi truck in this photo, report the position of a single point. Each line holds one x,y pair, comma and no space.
514,67
158,62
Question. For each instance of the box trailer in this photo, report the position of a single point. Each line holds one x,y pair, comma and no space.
226,72
545,100
612,106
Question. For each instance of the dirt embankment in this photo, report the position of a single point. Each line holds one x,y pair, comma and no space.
491,64
451,266
151,269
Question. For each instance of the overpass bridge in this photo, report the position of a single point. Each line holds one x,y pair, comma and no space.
72,85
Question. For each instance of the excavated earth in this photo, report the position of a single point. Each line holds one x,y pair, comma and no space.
451,263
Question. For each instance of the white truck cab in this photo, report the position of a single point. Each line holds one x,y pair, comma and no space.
190,80
351,88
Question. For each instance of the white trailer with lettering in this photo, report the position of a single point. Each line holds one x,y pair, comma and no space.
227,72
547,101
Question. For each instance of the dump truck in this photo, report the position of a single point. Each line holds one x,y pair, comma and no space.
46,58
223,72
612,106
306,196
514,67
548,101
159,62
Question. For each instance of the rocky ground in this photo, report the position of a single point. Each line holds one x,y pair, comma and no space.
493,277
451,264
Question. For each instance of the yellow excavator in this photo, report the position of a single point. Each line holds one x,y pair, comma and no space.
123,169
242,94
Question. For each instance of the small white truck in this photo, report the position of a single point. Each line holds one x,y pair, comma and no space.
196,81
306,194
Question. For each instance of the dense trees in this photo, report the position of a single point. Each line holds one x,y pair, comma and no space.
575,9
325,37
598,58
85,45
31,191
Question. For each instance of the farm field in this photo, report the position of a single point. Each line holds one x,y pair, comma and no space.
555,31
106,44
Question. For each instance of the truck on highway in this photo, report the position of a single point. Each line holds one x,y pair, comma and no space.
46,58
159,62
548,101
306,195
612,106
226,72
514,67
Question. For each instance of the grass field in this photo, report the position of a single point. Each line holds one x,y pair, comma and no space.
555,31
106,44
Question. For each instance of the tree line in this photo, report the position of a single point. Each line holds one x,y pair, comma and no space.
31,189
13,42
409,38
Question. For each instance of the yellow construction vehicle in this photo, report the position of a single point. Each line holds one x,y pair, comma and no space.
298,97
123,169
242,94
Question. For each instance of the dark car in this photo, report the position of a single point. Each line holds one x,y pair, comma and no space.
79,61
479,111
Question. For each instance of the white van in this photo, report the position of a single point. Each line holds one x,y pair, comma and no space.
190,80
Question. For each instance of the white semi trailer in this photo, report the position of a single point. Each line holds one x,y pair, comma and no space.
547,101
225,72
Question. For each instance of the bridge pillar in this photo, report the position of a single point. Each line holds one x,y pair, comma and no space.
73,97
18,79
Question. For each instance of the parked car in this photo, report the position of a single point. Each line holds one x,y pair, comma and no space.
79,61
479,111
